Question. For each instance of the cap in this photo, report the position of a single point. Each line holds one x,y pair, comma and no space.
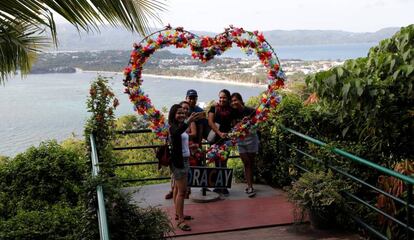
192,93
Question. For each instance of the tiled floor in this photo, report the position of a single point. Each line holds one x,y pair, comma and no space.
234,212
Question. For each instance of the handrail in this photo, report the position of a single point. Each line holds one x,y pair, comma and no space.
343,153
102,220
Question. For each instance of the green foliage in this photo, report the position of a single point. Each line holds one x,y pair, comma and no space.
56,222
25,27
130,122
41,193
238,168
101,104
317,191
4,159
272,165
373,97
125,220
74,145
253,101
41,177
365,107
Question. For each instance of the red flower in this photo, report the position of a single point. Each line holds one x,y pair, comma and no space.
260,38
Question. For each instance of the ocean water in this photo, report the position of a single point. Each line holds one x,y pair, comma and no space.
305,52
53,106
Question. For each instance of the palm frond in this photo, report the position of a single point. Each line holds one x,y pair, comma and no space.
23,22
19,44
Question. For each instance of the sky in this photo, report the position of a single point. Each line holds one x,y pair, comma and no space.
262,15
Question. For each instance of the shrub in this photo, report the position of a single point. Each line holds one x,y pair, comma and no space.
41,194
41,177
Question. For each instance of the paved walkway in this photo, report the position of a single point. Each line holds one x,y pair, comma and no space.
236,212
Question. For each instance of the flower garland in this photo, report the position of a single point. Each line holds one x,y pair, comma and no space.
204,48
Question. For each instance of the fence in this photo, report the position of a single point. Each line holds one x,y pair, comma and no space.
409,181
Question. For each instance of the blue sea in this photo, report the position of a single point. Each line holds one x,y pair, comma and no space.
53,106
305,52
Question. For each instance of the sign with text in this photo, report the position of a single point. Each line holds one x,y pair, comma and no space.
210,177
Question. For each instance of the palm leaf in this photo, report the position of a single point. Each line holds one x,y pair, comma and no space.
24,22
19,43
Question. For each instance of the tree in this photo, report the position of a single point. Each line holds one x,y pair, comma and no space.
27,26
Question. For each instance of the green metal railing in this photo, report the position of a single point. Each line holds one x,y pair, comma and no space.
102,220
409,181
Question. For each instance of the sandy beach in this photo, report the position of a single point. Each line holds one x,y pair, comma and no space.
227,82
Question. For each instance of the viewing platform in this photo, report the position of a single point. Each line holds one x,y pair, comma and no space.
268,215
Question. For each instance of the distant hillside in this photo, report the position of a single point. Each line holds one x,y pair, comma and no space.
120,39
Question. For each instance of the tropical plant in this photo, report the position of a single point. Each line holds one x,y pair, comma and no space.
41,194
318,193
398,189
373,97
25,25
125,220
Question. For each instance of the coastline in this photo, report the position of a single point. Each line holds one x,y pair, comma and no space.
194,79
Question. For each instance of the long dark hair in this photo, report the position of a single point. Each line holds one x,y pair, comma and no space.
227,93
238,96
171,115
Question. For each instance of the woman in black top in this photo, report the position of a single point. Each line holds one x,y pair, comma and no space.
221,114
179,123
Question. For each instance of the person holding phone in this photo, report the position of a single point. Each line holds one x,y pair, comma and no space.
179,123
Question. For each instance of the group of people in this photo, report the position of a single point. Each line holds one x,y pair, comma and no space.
189,125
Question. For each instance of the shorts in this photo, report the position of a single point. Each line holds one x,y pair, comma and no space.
179,173
249,145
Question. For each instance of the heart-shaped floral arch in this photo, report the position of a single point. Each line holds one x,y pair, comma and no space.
204,48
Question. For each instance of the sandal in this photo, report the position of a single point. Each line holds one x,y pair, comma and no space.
186,217
183,226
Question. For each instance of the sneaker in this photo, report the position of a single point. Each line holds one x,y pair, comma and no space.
225,191
251,192
216,190
246,189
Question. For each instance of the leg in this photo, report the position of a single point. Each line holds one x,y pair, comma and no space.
170,194
248,168
181,188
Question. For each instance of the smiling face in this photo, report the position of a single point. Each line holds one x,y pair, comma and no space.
192,100
186,108
223,100
236,103
180,115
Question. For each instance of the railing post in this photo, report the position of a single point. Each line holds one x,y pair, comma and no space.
409,210
298,156
102,220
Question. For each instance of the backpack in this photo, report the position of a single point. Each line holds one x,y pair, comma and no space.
163,154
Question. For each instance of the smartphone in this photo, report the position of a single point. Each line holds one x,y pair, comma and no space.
202,114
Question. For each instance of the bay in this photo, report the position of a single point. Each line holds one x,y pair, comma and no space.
305,52
53,106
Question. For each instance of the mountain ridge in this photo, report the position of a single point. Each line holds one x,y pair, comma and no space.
111,38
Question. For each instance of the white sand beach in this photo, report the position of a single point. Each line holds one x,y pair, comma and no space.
228,82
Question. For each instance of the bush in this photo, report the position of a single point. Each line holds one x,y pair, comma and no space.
238,169
125,220
41,194
57,222
40,177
